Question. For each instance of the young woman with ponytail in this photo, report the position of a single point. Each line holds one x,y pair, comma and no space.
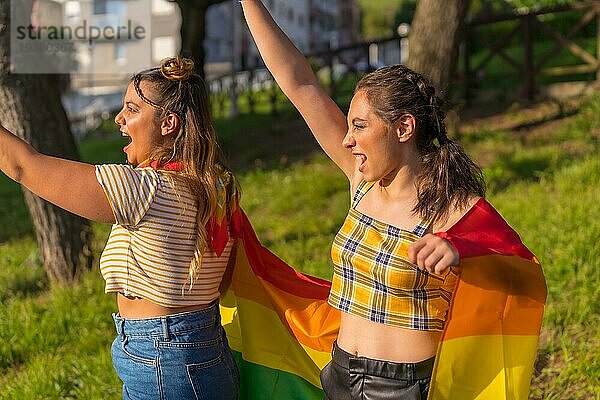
171,240
393,278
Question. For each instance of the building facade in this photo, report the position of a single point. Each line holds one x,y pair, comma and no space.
349,26
229,43
111,39
312,25
325,18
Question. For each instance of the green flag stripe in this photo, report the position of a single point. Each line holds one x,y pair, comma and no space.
258,382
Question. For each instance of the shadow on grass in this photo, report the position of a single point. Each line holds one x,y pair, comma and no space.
23,275
21,288
561,114
509,169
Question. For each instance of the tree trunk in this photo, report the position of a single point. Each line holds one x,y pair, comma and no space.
30,106
193,29
434,39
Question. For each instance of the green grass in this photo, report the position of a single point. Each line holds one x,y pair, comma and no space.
55,342
277,202
56,345
13,212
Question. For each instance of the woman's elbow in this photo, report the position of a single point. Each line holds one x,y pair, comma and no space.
16,173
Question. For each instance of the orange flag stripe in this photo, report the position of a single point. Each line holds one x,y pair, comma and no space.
497,295
312,322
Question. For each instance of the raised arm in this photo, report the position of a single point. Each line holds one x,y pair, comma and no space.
68,184
296,79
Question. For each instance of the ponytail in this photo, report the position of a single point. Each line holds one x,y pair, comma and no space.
449,178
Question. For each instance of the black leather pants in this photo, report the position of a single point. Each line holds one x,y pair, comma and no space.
348,377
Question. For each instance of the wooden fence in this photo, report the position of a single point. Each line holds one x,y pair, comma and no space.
483,53
530,65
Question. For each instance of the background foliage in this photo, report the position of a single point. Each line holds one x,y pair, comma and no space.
54,343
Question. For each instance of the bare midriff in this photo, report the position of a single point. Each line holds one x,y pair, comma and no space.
141,308
365,338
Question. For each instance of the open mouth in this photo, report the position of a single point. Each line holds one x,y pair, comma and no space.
129,140
362,160
126,135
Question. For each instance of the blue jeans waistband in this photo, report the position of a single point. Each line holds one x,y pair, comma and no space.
164,327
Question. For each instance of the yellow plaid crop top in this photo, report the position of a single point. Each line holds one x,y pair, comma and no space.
373,278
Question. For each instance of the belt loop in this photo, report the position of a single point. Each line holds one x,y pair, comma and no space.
122,329
411,372
165,329
217,313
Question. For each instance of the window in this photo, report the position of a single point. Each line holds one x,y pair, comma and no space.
73,11
120,54
162,7
163,47
100,6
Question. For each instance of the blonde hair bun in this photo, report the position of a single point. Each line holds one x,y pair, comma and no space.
177,68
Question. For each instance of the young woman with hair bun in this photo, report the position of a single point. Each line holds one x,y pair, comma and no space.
171,241
393,278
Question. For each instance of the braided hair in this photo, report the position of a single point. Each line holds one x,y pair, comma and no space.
448,177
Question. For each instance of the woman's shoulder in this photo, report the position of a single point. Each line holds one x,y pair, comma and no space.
460,212
124,174
477,215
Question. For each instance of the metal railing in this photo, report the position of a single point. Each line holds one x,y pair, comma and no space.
338,69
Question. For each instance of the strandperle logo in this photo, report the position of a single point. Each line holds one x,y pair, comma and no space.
82,32
80,36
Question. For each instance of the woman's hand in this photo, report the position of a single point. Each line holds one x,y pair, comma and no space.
432,253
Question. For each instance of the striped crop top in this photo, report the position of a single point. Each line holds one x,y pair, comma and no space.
373,279
152,244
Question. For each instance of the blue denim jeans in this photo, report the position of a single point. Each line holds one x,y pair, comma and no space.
176,357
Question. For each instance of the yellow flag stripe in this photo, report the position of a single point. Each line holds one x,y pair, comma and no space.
490,367
273,347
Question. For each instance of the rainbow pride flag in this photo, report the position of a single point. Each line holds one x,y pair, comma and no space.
281,328
488,347
278,322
